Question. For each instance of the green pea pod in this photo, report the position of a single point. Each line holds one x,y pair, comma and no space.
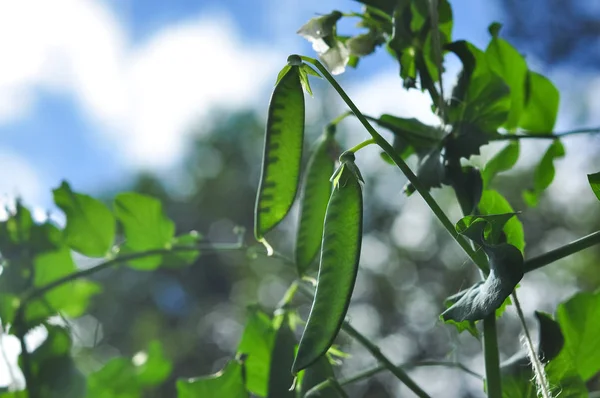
315,196
340,252
282,152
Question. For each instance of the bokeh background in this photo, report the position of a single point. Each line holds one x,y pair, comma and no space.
169,99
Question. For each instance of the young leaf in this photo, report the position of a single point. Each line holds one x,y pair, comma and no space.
415,132
544,173
90,228
579,319
594,180
541,104
70,298
506,270
282,154
504,60
228,382
492,202
145,227
504,160
315,196
256,345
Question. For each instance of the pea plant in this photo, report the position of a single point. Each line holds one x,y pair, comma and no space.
496,98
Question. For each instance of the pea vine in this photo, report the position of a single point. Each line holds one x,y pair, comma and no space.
496,98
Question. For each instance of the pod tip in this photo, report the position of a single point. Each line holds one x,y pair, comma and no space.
267,246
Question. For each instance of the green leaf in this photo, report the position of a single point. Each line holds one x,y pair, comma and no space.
228,382
431,171
506,269
182,258
544,173
53,367
416,133
468,186
541,104
282,154
256,345
492,202
551,338
9,303
487,103
70,298
503,160
466,139
90,227
315,374
579,319
594,180
504,60
145,227
313,202
282,358
129,378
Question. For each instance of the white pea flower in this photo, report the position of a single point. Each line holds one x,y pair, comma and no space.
336,58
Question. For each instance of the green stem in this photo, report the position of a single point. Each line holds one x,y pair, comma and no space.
363,144
387,147
538,368
337,387
545,136
340,118
376,352
492,358
118,260
380,368
561,252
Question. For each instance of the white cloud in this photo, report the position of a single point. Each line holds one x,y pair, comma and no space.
19,179
142,99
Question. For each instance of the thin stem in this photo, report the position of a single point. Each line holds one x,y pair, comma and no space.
563,251
492,358
376,352
340,118
363,144
387,147
337,387
365,374
118,260
538,368
545,136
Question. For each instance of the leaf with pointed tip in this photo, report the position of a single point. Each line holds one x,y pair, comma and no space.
503,160
91,226
465,141
228,382
145,227
594,180
506,269
541,104
256,344
492,202
579,320
544,173
504,60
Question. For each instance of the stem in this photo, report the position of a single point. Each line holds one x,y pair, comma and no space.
545,136
340,118
538,368
376,352
337,387
363,144
365,374
492,358
563,251
379,140
118,260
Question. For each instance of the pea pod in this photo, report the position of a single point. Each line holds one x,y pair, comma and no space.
282,151
340,252
315,196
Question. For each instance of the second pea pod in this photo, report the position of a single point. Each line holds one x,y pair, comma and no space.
340,253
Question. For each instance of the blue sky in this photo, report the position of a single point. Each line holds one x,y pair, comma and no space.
92,90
